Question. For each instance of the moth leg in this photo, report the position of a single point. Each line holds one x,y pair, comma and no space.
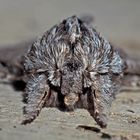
37,92
98,108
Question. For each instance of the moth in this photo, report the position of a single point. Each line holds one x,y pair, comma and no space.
71,66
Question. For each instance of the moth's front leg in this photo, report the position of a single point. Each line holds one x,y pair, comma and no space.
37,91
99,101
96,109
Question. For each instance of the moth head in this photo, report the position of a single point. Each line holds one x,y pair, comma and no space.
71,84
72,26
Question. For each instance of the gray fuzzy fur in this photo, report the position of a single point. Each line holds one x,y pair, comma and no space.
75,67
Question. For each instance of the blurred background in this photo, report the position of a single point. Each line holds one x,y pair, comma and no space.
117,20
